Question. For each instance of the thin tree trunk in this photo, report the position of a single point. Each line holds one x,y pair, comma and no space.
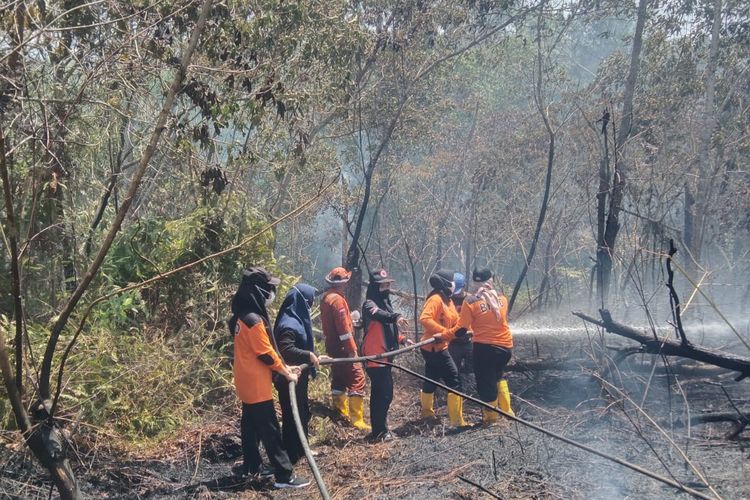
354,290
412,265
612,227
117,169
548,176
16,36
12,235
601,207
697,198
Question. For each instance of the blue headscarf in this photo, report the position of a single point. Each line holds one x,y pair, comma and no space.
294,314
460,282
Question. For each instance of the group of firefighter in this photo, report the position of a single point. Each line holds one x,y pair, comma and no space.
472,316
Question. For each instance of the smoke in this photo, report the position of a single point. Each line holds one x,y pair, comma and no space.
324,251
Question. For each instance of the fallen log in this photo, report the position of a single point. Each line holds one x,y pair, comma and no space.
578,364
739,420
665,347
727,416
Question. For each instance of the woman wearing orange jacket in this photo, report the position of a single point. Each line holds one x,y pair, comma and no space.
439,319
484,312
255,360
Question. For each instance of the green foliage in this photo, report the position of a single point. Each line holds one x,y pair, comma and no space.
121,311
144,388
159,244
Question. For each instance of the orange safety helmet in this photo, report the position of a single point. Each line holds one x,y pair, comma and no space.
338,275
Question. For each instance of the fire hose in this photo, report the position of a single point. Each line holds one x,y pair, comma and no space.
298,420
378,359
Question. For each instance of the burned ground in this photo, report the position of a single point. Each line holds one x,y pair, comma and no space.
430,460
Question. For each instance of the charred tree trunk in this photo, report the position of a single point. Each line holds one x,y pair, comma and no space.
547,179
601,207
353,255
740,421
674,300
617,192
43,440
651,345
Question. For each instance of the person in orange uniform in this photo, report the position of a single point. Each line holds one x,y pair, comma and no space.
254,362
381,335
439,319
485,313
347,379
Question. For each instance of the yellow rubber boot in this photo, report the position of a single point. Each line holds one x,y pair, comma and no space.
428,411
503,397
356,413
461,410
489,417
455,410
341,403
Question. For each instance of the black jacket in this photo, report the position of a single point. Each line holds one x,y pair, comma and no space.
378,307
286,340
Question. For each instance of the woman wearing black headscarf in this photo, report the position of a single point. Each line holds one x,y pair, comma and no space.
381,335
254,362
294,339
439,319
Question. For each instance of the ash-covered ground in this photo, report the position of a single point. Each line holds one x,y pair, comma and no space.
429,460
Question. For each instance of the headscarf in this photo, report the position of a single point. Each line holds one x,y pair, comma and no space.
460,283
487,292
442,283
383,301
294,315
251,295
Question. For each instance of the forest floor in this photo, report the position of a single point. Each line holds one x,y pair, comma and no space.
430,460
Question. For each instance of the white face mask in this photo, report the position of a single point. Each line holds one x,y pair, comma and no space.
271,297
453,287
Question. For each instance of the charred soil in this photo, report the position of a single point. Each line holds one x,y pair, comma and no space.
428,459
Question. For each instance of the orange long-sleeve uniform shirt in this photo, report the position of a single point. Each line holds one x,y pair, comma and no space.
478,317
252,376
438,316
338,329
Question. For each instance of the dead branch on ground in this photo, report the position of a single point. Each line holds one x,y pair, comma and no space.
650,345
